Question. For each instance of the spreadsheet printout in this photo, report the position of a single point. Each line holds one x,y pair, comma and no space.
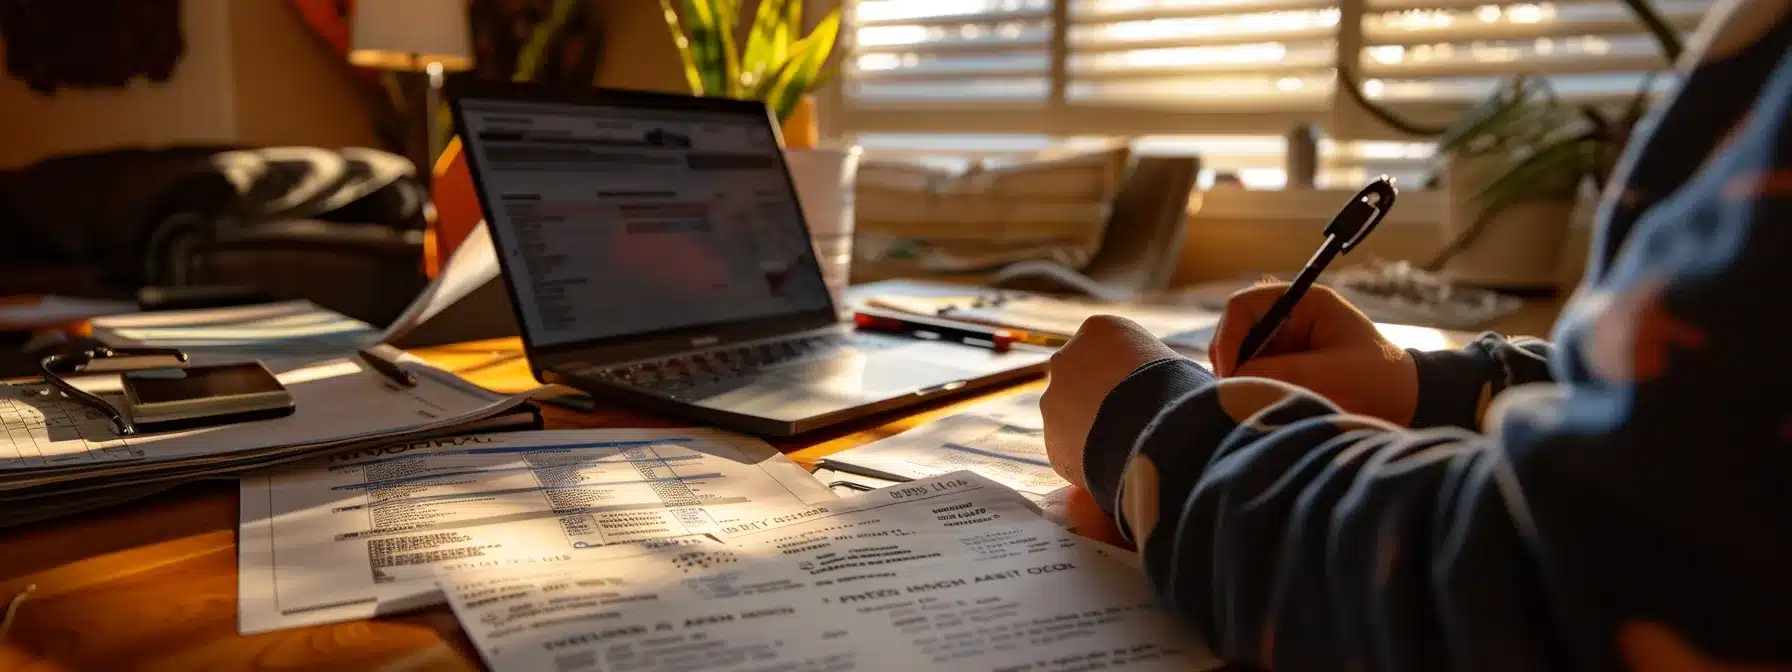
363,532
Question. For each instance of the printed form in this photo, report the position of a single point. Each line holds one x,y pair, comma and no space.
950,572
1001,439
364,532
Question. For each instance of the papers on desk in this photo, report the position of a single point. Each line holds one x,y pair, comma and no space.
55,452
53,310
360,532
1185,329
289,329
1000,439
951,572
473,264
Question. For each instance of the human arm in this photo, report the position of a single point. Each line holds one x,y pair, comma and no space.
1329,347
1632,514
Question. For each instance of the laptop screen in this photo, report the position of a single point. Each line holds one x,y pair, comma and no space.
619,221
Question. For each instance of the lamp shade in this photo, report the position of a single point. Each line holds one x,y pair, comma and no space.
411,34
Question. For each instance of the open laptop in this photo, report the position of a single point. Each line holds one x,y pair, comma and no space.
655,252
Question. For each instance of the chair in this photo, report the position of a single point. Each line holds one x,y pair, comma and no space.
1140,248
341,228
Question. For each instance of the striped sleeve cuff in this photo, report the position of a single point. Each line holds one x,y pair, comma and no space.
1125,415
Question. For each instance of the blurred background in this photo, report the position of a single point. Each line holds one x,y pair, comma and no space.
173,153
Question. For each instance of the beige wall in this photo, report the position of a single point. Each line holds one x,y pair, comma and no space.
638,51
250,75
289,87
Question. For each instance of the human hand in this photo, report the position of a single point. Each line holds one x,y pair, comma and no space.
1104,351
1327,346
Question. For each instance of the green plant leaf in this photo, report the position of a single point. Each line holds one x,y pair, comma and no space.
529,58
692,76
727,16
1555,167
700,18
768,43
763,88
809,55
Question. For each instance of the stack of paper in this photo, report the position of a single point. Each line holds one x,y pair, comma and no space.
1001,440
361,532
58,456
680,549
290,329
1185,329
952,572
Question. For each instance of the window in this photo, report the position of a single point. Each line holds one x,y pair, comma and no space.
960,80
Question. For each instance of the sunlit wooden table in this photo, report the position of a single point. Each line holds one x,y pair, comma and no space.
152,584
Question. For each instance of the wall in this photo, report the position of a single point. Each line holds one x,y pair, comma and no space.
290,88
193,106
250,75
637,49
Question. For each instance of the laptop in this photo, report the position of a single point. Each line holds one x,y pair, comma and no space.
655,253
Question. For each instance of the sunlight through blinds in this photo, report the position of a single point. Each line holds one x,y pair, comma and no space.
1452,53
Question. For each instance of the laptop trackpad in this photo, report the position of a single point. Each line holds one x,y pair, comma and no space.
869,374
815,388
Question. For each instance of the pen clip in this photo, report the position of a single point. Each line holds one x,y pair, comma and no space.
1363,213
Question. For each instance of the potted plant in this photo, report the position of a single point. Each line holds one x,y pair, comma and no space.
776,65
1514,166
782,67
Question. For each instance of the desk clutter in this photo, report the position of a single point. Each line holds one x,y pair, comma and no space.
692,548
396,485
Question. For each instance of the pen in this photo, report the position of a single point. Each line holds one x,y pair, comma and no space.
998,340
1350,227
390,369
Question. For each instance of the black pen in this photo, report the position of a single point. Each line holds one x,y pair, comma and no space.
1350,227
390,369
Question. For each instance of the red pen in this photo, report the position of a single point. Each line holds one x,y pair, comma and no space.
912,326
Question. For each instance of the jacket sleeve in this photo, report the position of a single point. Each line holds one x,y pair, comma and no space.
1457,386
1640,510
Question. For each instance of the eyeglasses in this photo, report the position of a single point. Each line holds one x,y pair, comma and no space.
54,367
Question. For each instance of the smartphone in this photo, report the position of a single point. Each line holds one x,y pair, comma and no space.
197,396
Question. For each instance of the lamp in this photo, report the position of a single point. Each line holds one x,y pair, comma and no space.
416,35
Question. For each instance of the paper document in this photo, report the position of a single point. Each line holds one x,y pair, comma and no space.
1001,439
1187,329
298,329
29,314
335,400
473,264
951,573
358,533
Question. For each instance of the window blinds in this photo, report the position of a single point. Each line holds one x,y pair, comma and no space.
1151,67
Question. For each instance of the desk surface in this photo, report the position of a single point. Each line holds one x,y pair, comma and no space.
154,582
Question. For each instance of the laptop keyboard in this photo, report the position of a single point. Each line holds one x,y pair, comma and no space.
675,376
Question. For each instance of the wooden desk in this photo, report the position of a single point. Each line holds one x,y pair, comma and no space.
152,584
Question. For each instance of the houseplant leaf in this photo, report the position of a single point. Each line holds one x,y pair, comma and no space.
1554,167
706,46
528,60
692,76
809,55
727,13
768,43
